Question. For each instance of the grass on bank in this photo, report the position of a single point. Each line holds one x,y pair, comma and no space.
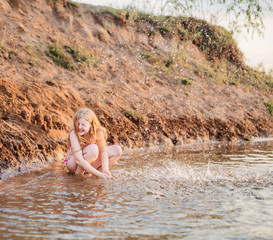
57,53
269,105
215,41
224,63
185,81
72,58
134,115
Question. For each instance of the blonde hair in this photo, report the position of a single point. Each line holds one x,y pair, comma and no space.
95,126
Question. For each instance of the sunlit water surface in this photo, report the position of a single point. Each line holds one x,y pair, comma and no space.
194,192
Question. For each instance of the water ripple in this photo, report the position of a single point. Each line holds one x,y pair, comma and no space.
151,196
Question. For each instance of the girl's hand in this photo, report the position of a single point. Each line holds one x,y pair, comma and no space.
107,172
104,175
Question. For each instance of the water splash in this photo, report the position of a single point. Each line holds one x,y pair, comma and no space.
180,178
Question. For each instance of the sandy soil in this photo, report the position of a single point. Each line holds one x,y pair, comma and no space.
138,106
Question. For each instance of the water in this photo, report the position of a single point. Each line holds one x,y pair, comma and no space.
195,192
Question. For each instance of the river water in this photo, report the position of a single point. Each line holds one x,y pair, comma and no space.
199,191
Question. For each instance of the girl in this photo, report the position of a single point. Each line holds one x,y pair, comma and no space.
87,146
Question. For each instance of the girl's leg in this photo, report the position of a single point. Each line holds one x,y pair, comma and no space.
71,164
90,154
114,152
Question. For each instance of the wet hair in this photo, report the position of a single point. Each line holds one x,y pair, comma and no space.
95,125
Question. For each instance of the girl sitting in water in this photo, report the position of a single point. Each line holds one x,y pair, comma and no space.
87,146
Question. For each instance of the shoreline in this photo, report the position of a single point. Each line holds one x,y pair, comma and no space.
203,146
197,147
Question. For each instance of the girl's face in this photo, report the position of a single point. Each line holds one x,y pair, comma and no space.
83,126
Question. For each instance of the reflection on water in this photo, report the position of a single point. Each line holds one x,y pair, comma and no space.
195,192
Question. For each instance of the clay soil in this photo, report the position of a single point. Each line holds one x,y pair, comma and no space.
138,103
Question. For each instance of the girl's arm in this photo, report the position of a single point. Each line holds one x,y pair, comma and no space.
77,153
103,155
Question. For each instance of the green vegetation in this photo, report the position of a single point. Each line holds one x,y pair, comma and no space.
35,52
185,82
152,57
134,115
215,41
241,15
225,63
270,83
60,56
224,72
50,3
77,55
30,50
229,74
157,61
169,63
72,58
68,3
269,105
2,46
114,12
73,3
154,71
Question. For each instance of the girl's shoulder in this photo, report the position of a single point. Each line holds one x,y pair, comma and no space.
101,133
73,137
101,128
72,133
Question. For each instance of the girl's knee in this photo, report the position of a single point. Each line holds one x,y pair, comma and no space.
91,152
118,151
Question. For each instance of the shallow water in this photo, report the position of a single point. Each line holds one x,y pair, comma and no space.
195,192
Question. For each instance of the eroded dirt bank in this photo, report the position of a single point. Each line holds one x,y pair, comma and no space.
56,57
